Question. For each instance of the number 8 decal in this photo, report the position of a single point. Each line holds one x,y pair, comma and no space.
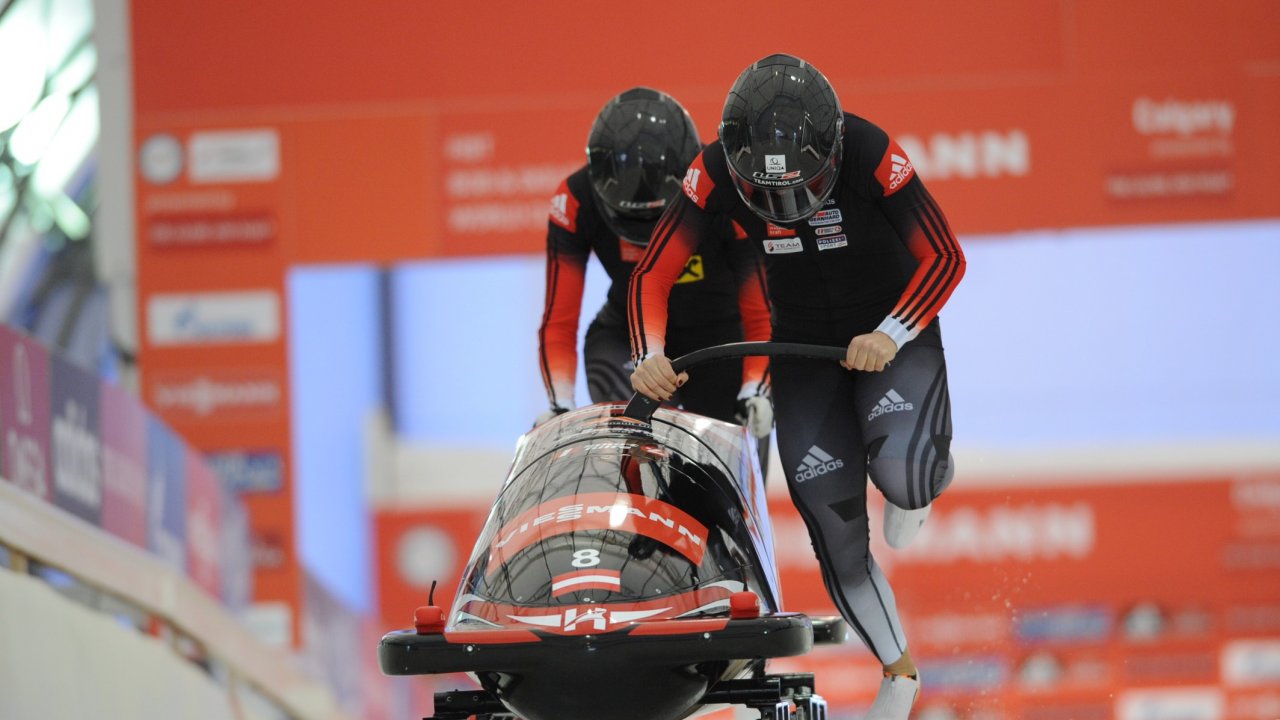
586,558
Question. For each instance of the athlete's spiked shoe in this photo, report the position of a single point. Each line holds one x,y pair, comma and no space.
897,694
901,526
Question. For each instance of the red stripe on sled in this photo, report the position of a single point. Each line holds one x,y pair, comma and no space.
586,580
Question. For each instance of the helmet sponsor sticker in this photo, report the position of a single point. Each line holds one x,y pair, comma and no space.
777,179
645,205
775,163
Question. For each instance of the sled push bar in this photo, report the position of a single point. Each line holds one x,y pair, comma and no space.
641,407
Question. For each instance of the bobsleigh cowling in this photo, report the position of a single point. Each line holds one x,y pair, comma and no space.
625,572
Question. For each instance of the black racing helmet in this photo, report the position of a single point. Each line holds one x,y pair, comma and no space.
639,148
781,130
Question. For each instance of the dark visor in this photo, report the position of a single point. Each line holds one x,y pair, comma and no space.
793,203
634,226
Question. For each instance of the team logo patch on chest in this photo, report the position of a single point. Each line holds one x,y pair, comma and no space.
782,246
826,217
833,242
693,270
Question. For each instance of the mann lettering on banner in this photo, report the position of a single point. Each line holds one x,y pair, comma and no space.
24,414
77,449
166,495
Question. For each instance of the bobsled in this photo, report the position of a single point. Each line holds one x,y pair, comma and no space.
625,572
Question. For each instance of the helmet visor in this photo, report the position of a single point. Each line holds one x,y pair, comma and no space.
781,200
634,226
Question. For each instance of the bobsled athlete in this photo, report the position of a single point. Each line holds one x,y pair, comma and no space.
638,149
857,254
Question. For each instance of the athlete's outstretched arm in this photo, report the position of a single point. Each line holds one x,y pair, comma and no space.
567,254
753,307
678,232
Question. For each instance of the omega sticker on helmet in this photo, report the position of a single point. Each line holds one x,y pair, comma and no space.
775,163
826,217
782,246
828,230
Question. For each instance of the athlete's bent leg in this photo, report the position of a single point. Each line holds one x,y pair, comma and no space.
821,450
905,414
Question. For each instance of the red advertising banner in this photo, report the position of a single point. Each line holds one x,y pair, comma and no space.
1019,115
1049,599
419,546
1077,600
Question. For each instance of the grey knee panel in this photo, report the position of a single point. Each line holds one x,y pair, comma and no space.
913,482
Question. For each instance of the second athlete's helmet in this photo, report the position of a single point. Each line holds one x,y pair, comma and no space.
781,130
639,147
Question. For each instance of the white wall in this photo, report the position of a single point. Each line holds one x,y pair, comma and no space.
1097,337
59,659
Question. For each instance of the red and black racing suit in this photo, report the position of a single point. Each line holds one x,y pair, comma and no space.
717,296
879,255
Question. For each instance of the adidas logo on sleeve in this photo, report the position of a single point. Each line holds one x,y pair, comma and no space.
816,462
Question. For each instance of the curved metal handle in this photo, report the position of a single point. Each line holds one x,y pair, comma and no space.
641,407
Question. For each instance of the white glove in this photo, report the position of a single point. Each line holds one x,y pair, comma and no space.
755,412
550,412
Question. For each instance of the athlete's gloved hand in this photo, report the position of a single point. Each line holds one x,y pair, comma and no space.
654,378
754,412
871,352
554,410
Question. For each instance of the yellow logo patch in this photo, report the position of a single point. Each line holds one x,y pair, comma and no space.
693,271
